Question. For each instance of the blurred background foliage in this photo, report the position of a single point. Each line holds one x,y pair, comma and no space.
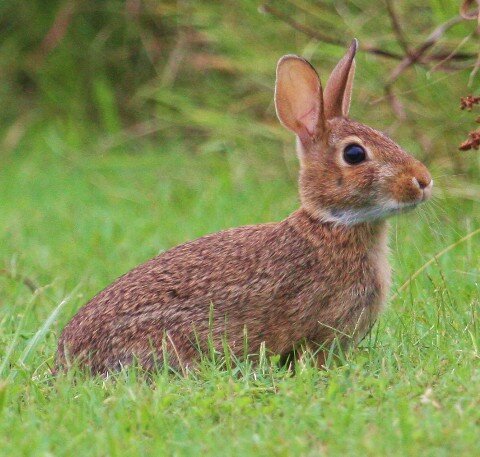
115,74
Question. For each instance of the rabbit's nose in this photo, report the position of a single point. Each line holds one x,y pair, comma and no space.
425,184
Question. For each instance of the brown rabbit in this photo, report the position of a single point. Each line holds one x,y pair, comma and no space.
319,274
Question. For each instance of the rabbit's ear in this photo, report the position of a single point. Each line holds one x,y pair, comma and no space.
338,91
298,97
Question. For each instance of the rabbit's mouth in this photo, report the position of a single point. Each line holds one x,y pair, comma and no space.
352,216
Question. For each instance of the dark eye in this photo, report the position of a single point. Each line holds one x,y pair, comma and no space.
354,153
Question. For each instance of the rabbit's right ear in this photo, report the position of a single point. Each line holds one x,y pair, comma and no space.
338,90
299,98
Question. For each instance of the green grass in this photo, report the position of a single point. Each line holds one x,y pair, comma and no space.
73,220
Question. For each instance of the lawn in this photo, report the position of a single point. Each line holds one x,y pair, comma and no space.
72,222
107,161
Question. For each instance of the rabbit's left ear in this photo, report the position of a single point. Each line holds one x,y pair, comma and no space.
298,98
338,91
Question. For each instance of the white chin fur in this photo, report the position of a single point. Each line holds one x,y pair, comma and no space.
370,213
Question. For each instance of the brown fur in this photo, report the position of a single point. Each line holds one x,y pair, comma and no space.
317,275
279,281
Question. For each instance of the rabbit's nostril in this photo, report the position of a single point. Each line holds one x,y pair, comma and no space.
422,182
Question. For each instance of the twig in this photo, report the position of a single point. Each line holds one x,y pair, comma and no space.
320,36
474,72
395,103
420,50
469,14
266,8
450,54
312,33
412,58
397,28
59,28
474,14
175,60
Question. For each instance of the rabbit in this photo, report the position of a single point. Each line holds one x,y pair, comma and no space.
321,275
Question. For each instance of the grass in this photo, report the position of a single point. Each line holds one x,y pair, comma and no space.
72,221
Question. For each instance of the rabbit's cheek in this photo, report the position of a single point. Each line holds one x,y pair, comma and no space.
360,184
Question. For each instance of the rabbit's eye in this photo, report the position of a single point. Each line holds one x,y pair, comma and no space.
353,154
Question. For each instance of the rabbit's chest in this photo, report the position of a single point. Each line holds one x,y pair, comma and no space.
351,293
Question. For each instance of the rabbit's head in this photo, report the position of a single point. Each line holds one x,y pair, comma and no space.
350,173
